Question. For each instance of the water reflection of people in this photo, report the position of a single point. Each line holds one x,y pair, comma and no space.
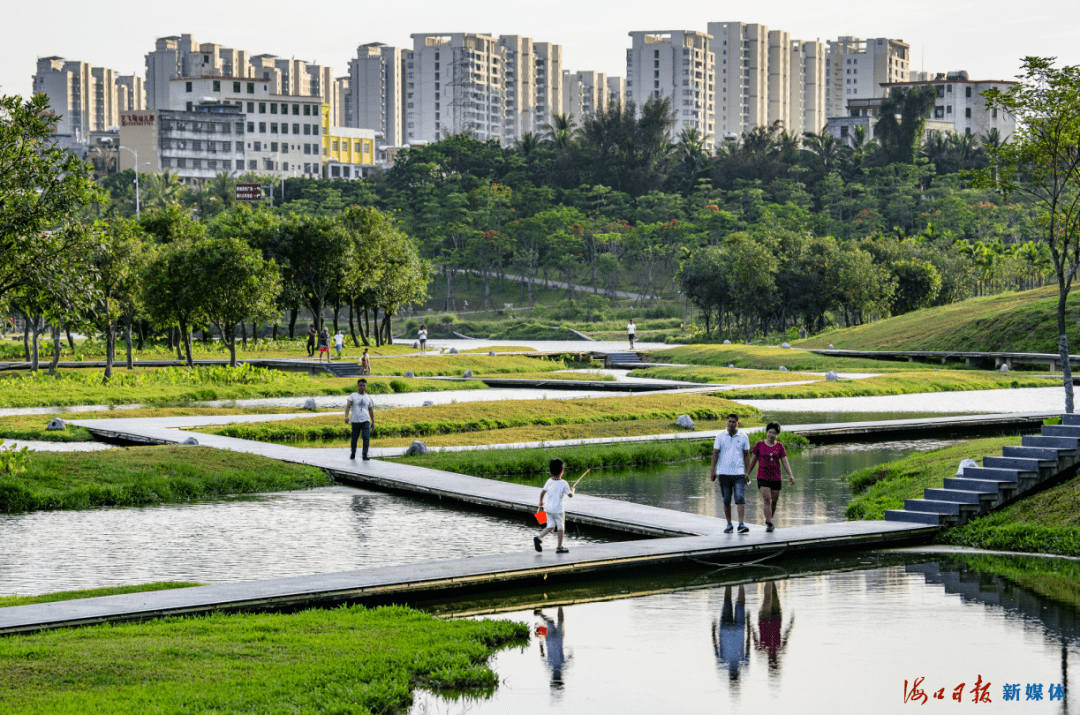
731,637
770,620
551,648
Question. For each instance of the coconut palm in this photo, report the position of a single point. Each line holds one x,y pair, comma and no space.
162,190
561,131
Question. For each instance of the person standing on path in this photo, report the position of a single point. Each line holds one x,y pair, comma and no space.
365,363
630,332
421,335
339,342
769,456
360,413
731,463
324,345
551,497
312,333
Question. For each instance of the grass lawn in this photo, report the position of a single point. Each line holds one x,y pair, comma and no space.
905,383
579,376
455,365
179,384
6,601
482,417
722,375
886,486
35,426
344,660
760,357
1010,322
140,476
1055,579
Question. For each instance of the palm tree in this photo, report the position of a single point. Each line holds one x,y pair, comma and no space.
827,147
691,153
561,131
527,144
163,190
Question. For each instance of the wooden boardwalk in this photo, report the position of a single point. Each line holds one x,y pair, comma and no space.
678,537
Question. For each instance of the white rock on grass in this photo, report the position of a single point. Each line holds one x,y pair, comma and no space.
1004,368
57,423
785,345
727,342
491,353
467,373
409,374
831,376
428,403
964,465
310,404
191,441
783,369
415,448
415,345
831,347
731,366
453,351
685,422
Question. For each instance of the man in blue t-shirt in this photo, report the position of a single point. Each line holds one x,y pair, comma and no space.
731,463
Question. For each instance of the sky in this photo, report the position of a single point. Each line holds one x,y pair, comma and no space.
986,38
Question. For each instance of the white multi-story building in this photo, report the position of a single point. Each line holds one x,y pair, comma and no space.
961,104
807,111
377,91
130,93
584,93
194,145
858,68
616,87
678,65
180,57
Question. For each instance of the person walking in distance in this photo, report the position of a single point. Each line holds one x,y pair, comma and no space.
421,335
324,345
360,412
312,333
769,456
630,332
339,343
551,497
731,463
365,363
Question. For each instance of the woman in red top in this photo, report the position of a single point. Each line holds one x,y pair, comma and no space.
768,456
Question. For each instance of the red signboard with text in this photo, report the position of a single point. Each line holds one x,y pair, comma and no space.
249,192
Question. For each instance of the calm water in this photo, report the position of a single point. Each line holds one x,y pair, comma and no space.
284,534
341,528
817,642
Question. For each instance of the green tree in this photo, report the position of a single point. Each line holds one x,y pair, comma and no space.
1042,163
42,191
902,122
118,259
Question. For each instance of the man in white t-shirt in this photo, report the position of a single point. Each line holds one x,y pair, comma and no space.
339,343
731,463
551,502
360,412
630,332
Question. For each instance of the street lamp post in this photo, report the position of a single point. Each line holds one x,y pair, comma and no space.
137,207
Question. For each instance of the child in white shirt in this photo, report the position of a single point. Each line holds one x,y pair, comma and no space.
554,490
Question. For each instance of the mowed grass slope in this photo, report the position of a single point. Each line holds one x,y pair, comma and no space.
456,365
899,383
484,416
758,357
1010,322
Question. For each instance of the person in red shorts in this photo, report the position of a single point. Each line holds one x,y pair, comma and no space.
768,456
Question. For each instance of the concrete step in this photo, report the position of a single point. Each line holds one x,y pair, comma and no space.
997,475
1070,419
990,487
1023,465
940,507
956,495
914,517
1043,454
1059,443
1061,430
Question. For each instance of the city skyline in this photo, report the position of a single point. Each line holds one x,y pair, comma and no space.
986,39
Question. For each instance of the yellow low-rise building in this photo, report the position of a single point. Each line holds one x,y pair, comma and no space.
347,152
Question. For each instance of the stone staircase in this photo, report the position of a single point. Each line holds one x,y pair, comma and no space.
999,480
344,369
623,360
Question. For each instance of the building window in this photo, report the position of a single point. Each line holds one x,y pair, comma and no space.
262,127
239,146
196,146
315,130
273,146
251,126
180,163
196,163
189,105
251,90
295,128
948,109
967,112
217,85
284,148
258,146
284,128
307,148
296,109
307,110
993,113
307,129
262,107
251,108
236,87
253,165
227,165
273,107
187,86
164,163
273,127
967,91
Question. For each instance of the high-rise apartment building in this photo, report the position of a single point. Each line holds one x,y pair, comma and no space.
87,99
377,91
532,82
857,68
807,101
130,93
584,93
678,65
742,76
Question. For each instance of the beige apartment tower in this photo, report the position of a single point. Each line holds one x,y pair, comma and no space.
680,66
857,69
377,89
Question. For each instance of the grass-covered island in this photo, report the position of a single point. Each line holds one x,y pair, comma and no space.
342,660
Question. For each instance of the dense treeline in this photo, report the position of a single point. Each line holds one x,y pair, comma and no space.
614,203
